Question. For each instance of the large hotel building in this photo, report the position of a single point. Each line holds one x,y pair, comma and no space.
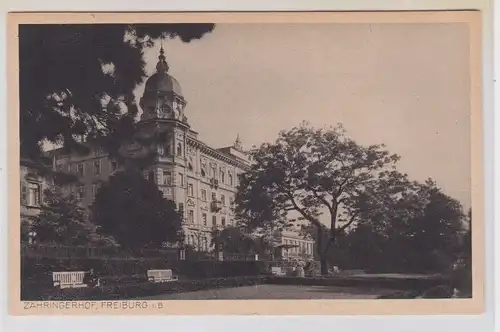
201,180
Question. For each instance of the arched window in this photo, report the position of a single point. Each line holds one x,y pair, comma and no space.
179,149
230,176
222,176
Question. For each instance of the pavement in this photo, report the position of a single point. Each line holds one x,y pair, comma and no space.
279,292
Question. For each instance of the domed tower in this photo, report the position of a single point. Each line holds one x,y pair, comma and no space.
162,98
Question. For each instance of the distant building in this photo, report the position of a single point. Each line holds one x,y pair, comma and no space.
201,180
292,244
32,186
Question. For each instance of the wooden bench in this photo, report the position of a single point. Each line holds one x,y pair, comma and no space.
69,279
277,271
161,276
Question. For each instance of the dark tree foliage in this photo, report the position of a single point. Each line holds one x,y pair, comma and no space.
77,81
423,235
234,240
61,221
134,211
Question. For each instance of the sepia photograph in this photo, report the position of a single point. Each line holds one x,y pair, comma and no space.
255,160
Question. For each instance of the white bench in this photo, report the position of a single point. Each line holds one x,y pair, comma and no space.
277,271
161,276
69,279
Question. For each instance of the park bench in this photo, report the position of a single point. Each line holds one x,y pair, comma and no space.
161,276
277,271
69,279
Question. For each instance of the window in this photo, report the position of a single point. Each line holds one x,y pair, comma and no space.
190,167
181,207
222,176
181,179
114,166
80,192
223,220
204,217
167,178
190,189
212,172
95,188
161,150
203,173
191,216
231,201
214,196
205,244
179,149
230,176
80,169
223,200
34,194
203,195
97,167
214,221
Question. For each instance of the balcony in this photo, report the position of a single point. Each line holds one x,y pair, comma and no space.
214,183
215,206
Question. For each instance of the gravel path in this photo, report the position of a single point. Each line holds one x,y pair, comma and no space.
274,292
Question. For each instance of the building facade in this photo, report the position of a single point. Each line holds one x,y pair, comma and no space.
32,187
202,180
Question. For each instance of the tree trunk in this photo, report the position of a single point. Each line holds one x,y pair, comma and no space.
324,254
319,251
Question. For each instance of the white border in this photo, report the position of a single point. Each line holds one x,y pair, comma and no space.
456,323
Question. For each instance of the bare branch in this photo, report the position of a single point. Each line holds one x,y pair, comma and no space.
349,223
314,221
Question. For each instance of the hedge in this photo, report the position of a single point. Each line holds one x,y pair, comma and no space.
412,283
40,267
132,291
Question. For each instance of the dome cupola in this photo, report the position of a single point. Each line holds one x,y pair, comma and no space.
162,96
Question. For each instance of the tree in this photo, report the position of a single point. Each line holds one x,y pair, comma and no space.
134,211
315,172
232,240
421,235
62,221
77,82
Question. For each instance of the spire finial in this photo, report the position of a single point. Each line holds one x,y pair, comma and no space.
162,65
237,143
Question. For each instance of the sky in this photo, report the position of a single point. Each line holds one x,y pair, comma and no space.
404,85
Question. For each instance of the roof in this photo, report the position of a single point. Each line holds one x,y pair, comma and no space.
162,82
